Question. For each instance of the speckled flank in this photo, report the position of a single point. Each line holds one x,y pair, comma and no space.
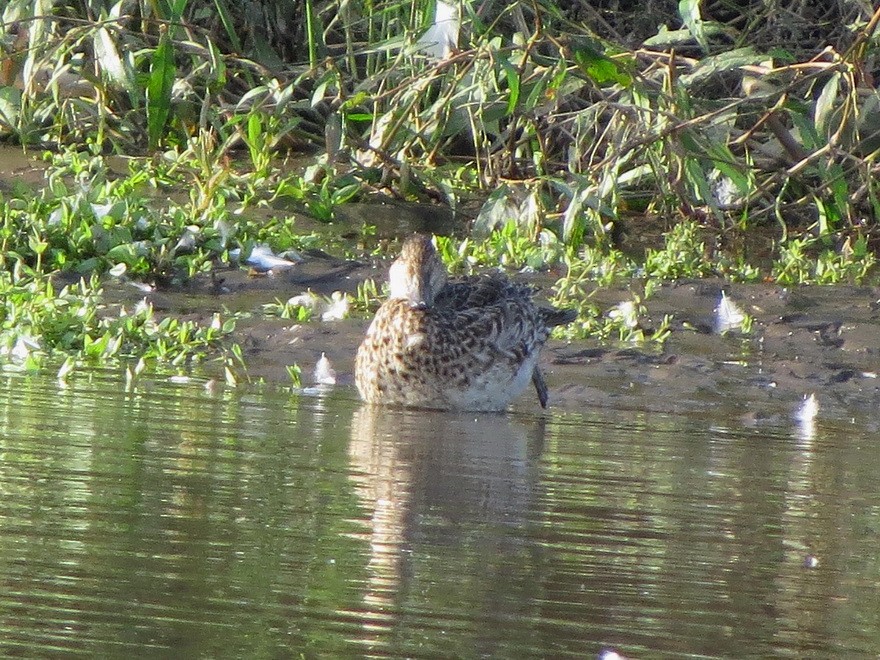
471,344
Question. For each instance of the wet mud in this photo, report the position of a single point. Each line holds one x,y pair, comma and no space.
805,340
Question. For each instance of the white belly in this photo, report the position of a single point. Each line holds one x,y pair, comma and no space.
495,388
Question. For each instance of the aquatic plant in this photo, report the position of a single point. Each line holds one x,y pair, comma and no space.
626,322
38,322
811,260
509,247
308,305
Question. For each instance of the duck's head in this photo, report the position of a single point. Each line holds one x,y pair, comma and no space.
418,274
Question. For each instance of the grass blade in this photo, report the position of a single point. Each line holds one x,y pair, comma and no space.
162,71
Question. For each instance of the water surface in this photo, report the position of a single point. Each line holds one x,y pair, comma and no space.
177,521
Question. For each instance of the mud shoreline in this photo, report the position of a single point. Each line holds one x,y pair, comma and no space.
806,340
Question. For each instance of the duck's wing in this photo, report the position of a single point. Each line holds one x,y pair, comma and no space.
496,289
453,296
479,291
492,290
516,330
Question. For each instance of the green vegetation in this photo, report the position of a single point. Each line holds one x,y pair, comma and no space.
810,260
508,247
37,321
566,135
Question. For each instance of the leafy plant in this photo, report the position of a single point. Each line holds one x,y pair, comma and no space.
806,260
369,296
509,247
36,322
294,372
288,310
683,254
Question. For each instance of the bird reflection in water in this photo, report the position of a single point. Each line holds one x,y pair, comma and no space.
429,480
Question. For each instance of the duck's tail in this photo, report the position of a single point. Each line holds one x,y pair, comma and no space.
553,317
540,386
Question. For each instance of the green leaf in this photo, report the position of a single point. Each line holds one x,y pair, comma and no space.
693,21
809,137
218,67
228,25
127,254
512,76
725,162
695,175
715,64
162,72
10,106
255,136
317,48
836,180
177,9
601,69
825,103
109,60
345,193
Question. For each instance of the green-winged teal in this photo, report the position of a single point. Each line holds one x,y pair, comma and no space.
469,344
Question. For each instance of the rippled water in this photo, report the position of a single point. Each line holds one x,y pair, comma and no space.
173,521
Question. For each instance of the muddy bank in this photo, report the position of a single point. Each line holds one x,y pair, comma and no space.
806,340
821,340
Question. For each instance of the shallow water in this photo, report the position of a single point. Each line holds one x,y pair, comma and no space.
177,521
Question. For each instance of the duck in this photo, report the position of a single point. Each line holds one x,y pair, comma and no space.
470,344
